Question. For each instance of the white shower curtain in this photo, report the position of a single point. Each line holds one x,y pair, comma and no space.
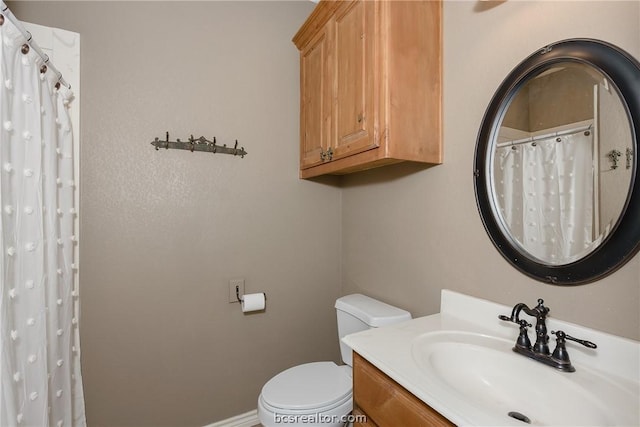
545,194
39,346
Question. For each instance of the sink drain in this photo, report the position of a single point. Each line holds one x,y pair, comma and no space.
520,417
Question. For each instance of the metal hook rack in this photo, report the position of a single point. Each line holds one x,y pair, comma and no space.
199,144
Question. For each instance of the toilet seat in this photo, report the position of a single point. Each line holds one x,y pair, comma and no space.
311,387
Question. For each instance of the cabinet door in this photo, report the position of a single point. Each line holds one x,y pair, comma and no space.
315,100
355,76
387,403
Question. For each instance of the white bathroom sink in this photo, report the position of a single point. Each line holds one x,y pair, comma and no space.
460,362
482,371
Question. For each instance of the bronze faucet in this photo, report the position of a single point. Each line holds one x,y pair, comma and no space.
559,359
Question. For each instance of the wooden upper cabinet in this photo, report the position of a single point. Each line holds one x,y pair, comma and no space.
370,85
315,101
353,96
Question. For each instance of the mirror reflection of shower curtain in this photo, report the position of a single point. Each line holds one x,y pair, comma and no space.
545,194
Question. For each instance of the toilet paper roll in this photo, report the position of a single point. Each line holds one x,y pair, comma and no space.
253,302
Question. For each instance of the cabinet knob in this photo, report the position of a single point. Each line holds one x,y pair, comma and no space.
329,154
326,155
360,118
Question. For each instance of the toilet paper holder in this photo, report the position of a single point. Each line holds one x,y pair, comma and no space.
240,298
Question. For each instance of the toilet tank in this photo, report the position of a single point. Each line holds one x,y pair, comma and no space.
359,312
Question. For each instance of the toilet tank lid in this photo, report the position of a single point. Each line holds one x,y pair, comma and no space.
371,311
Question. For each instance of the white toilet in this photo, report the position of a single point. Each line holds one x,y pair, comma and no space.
319,393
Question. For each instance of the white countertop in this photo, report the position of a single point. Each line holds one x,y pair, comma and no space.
389,348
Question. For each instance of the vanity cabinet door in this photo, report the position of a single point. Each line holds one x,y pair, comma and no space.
387,404
315,99
355,76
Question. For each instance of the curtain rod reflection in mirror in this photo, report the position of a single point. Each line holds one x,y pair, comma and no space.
199,144
545,136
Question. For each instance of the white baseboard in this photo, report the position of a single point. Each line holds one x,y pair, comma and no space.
248,419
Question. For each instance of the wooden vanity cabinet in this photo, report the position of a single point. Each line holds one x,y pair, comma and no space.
370,85
383,402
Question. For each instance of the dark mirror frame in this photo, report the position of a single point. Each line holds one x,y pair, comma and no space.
623,242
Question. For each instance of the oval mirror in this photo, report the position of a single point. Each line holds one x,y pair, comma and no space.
555,169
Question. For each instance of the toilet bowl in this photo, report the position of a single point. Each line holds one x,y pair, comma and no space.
313,394
319,394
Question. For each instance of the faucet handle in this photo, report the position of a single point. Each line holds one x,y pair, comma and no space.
521,322
562,336
523,337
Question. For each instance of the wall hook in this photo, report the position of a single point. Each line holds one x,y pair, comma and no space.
613,155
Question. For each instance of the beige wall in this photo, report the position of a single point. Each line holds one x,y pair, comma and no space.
557,99
162,232
408,232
